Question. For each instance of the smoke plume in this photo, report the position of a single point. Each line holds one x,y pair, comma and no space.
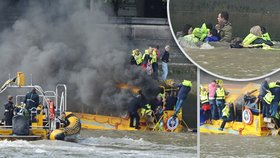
67,42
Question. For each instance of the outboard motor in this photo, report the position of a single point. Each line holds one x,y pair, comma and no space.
20,125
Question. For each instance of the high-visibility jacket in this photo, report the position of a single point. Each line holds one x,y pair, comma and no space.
138,58
220,93
268,97
153,56
204,97
249,39
146,110
273,85
187,83
201,33
225,112
266,37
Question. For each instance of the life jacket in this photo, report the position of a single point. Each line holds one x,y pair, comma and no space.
249,39
204,97
187,83
268,97
201,33
137,58
191,38
266,37
146,110
153,56
273,85
225,112
220,92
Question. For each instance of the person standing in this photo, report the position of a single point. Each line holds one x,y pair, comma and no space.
212,87
31,99
165,60
224,27
220,99
154,62
9,111
136,103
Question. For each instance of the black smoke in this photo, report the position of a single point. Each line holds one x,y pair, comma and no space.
69,42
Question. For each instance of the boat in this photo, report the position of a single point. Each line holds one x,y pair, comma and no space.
44,118
165,123
246,122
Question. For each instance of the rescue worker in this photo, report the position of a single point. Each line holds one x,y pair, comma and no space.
165,60
262,93
224,27
31,99
220,99
212,87
9,111
274,87
267,99
136,57
227,115
204,101
184,89
136,103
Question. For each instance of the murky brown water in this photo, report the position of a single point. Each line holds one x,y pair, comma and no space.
232,146
236,63
94,143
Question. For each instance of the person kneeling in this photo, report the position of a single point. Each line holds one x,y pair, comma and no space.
227,115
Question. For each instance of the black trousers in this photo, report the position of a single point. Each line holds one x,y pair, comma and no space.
225,120
134,115
155,71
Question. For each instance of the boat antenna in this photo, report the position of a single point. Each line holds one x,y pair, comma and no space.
31,79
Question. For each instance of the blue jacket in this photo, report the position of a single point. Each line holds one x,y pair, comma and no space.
211,39
183,91
264,87
31,100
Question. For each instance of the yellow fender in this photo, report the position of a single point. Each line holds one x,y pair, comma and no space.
57,134
75,125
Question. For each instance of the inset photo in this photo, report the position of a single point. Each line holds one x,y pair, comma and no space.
240,117
229,39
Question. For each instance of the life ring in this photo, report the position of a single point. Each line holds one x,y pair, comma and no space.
247,116
172,124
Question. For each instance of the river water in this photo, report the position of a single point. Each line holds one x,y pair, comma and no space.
107,144
241,63
234,146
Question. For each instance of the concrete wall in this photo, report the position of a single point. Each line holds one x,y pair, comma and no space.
243,14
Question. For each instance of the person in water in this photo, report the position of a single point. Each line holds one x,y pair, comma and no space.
224,27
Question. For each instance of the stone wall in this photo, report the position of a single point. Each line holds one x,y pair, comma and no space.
243,14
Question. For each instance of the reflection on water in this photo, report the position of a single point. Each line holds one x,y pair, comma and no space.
238,146
107,144
234,63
